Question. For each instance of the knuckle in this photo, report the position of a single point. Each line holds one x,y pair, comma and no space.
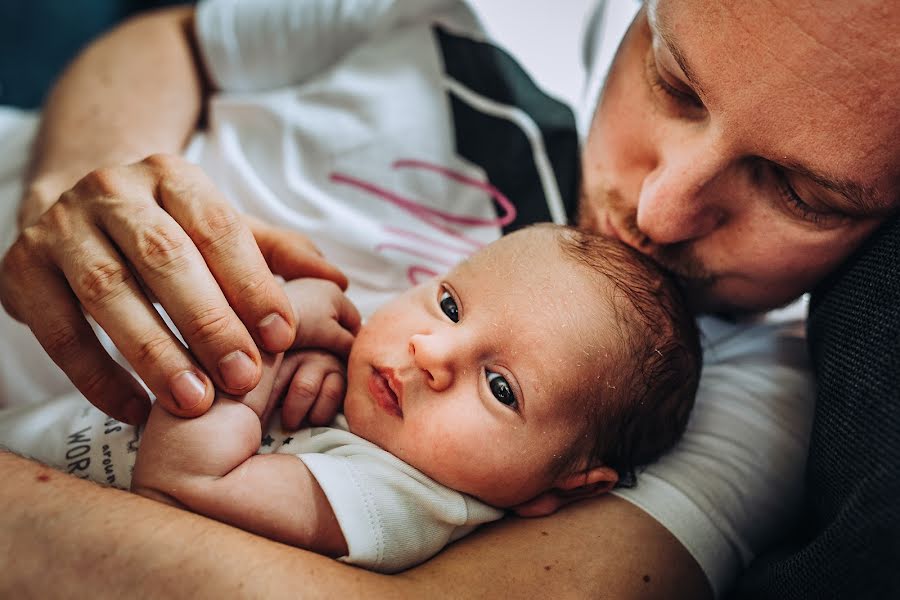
161,161
208,324
152,350
56,219
254,285
218,226
106,181
61,341
161,248
304,387
101,282
94,385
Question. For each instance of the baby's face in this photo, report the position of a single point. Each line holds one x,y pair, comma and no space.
463,377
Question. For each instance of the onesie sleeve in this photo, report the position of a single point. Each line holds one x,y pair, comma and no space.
256,45
392,516
735,480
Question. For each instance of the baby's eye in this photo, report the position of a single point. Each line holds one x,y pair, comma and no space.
448,305
501,389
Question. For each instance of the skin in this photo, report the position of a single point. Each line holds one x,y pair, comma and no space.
805,103
697,180
448,422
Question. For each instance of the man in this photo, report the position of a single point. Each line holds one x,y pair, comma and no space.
749,195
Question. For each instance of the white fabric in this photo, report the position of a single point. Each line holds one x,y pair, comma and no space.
285,151
392,516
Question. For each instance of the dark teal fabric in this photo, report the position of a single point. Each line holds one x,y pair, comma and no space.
39,37
848,542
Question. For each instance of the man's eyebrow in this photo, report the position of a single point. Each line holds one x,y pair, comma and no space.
675,49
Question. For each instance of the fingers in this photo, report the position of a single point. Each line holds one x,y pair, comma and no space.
329,401
59,325
292,255
316,390
157,229
233,258
109,291
326,318
172,268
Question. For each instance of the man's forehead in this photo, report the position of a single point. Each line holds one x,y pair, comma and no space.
799,84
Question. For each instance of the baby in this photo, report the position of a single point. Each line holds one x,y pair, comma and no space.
537,372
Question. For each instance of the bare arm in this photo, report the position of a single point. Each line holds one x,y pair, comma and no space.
92,119
112,542
98,229
209,466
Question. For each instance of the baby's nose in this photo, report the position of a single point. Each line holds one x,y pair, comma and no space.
434,357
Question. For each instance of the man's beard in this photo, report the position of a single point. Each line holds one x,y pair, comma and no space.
676,259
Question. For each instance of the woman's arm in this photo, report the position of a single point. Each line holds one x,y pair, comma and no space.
117,544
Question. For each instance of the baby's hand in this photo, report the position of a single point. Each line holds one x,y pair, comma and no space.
326,319
315,381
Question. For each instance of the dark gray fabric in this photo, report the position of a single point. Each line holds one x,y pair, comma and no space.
847,544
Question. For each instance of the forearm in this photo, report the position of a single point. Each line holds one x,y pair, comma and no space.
62,533
114,543
134,92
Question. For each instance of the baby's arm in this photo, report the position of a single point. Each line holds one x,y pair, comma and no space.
209,464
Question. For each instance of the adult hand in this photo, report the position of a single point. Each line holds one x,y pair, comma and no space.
155,229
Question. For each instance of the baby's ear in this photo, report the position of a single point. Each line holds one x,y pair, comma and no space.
567,489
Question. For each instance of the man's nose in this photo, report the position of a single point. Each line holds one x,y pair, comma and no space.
435,356
680,199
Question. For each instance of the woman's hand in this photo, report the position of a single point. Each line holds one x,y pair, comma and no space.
156,230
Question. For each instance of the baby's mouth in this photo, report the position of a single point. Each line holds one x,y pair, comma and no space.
386,391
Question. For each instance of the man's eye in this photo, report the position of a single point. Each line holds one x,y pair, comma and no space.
449,307
682,98
501,389
817,215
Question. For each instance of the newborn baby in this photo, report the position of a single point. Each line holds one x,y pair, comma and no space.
539,371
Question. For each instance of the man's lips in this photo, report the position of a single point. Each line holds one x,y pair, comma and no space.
387,391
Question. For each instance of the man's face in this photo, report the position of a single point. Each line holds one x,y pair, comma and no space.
748,147
462,377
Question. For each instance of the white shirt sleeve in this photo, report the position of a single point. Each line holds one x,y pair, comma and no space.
392,516
265,44
735,480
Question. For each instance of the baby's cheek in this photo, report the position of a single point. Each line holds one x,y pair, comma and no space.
461,456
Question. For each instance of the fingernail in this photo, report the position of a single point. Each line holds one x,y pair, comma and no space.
237,370
188,390
275,333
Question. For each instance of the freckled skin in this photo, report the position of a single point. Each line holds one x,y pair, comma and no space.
696,184
453,429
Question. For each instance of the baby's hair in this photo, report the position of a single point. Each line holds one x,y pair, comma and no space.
637,405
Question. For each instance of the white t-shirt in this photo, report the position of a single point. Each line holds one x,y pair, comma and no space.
397,138
392,516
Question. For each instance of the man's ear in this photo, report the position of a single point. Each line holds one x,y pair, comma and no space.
569,488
